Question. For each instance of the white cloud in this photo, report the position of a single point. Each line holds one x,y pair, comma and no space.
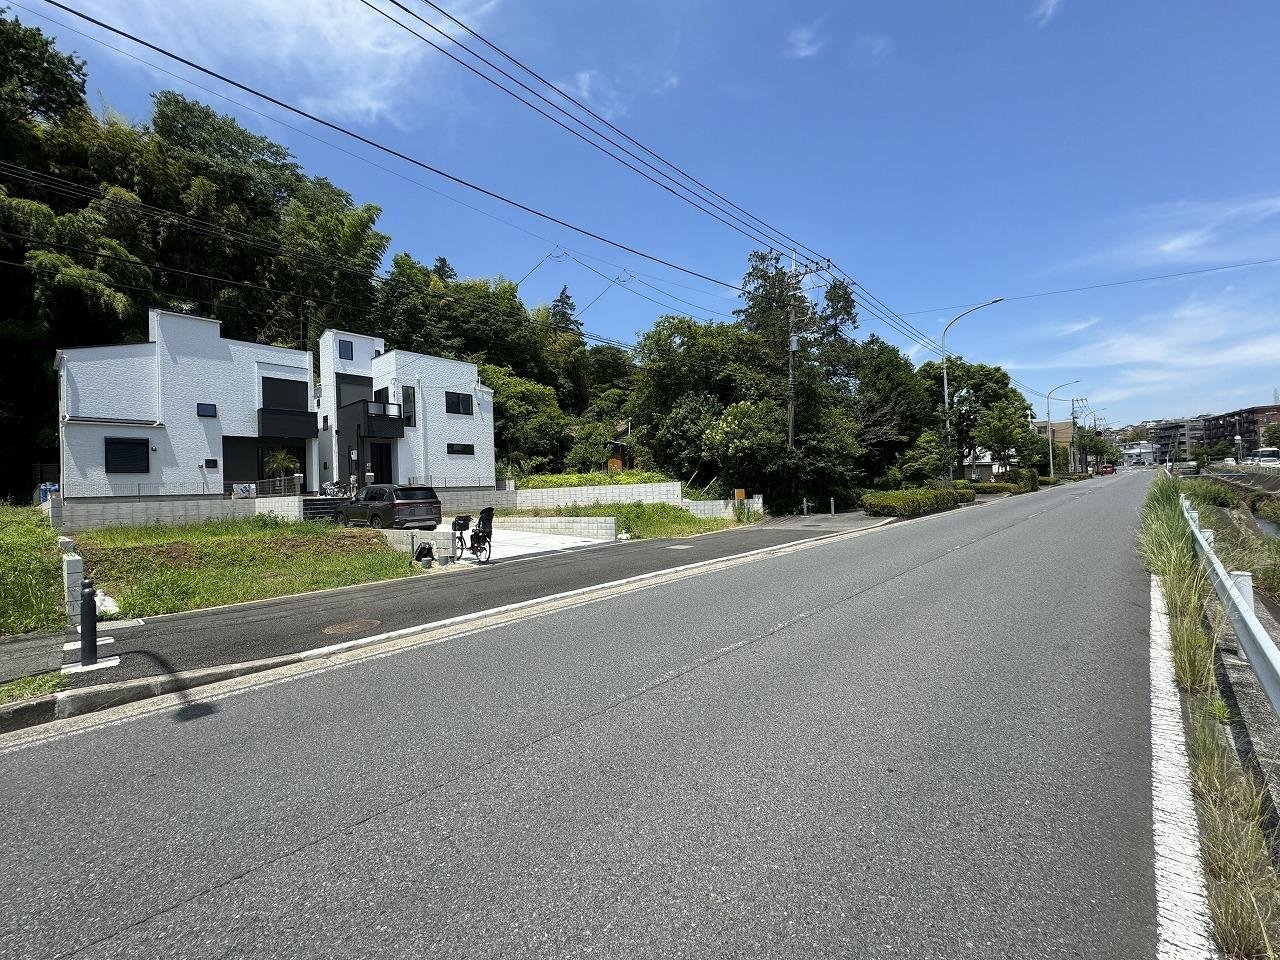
872,48
1045,11
610,95
1071,328
804,41
352,64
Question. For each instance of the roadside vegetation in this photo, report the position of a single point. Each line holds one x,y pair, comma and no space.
24,688
913,503
595,478
167,569
30,573
1236,544
642,521
1244,888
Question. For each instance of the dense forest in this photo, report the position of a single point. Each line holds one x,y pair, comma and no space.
102,217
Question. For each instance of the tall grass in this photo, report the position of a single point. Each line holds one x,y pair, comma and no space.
30,573
1244,889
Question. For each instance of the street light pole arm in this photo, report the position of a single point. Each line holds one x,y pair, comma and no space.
969,311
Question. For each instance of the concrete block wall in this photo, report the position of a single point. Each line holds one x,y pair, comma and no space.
593,528
90,513
455,500
286,508
667,492
722,508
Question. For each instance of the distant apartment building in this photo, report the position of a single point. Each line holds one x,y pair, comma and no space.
1062,431
1176,439
190,413
1248,423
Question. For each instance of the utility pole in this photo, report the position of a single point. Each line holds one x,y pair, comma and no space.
946,386
793,339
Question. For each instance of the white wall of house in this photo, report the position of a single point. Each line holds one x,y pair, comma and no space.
424,451
187,362
363,350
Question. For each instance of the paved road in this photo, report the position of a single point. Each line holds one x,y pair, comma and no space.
927,741
274,628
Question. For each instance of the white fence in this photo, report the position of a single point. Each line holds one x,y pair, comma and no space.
1235,591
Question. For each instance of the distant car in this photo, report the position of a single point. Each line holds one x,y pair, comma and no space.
1268,461
1106,468
1228,461
392,505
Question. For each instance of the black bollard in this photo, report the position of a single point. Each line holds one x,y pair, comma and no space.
88,624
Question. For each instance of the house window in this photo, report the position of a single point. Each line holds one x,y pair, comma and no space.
127,455
408,404
345,350
211,463
278,394
457,402
206,409
466,449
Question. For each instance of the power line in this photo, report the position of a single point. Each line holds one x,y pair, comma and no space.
391,151
752,233
1115,283
789,241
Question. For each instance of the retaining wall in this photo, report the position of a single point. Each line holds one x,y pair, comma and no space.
722,509
474,499
667,492
593,528
87,513
286,508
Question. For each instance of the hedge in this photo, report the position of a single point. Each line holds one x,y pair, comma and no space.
997,488
599,478
963,484
1049,481
965,494
909,503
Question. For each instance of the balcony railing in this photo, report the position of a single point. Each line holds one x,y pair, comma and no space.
291,424
375,418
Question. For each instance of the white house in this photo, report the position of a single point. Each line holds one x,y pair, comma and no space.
402,417
189,413
185,413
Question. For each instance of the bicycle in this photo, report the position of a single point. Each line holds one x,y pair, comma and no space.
481,541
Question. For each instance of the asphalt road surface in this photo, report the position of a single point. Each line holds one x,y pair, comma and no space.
272,628
931,740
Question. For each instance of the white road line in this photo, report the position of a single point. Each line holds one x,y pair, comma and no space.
1184,928
75,644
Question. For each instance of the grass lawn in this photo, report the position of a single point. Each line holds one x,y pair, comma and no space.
30,573
24,688
638,520
167,569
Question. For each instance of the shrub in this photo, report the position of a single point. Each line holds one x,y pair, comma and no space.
963,484
1049,481
908,503
598,478
965,495
996,488
1024,478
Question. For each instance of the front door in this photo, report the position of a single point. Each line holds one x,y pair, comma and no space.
380,457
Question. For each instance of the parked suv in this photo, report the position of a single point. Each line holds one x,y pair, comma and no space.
392,505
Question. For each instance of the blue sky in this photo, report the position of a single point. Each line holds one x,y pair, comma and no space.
942,153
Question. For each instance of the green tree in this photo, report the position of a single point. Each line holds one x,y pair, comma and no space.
1271,435
37,85
749,441
531,432
1002,429
925,462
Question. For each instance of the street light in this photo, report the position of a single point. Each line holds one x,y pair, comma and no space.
1048,415
946,391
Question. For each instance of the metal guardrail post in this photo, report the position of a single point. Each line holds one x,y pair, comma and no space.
88,624
1243,580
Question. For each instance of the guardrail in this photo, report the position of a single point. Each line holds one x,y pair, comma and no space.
1235,591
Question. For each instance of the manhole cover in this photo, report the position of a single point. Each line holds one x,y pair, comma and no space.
353,626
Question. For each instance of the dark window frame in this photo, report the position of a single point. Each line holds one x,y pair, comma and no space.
453,399
132,443
211,463
460,449
408,405
346,349
207,410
